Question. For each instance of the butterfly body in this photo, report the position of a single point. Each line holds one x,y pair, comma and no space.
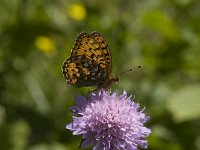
90,63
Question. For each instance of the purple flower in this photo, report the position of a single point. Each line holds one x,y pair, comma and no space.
109,121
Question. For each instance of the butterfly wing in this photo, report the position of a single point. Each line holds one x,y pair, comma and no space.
90,61
105,53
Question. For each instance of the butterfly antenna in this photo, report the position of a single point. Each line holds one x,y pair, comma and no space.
129,70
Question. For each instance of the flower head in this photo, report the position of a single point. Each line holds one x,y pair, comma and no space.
77,11
109,121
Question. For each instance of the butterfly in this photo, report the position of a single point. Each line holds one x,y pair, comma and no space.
90,62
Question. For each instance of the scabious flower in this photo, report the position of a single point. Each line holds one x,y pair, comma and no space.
109,121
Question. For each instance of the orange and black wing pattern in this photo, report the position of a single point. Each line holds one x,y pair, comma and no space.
90,63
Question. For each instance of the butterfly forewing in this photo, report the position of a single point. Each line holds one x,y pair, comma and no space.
90,61
105,52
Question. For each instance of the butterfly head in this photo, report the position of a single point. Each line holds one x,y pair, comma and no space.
112,79
115,79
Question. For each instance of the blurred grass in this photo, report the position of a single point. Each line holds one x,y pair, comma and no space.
37,36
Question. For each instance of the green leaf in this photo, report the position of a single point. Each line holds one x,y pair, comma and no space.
185,104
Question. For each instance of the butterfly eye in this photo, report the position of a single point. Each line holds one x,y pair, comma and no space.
116,80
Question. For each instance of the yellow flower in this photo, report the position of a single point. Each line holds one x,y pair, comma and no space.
45,44
77,11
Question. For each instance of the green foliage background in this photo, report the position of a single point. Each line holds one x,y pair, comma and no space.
161,36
